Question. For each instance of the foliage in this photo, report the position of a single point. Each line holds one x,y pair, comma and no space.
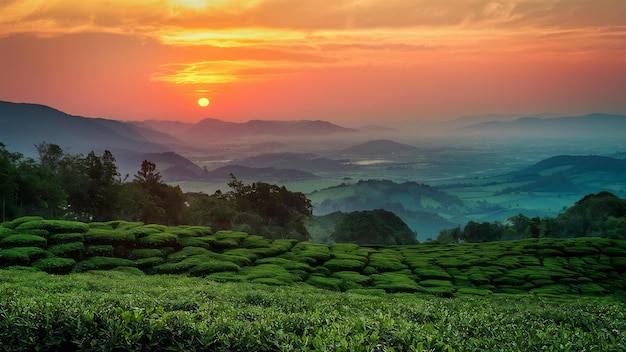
55,265
373,227
22,240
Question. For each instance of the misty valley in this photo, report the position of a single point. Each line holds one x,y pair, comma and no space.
305,235
433,176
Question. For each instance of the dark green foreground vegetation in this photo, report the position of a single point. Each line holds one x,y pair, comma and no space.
587,266
119,310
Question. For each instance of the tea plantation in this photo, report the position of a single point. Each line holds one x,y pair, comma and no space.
130,286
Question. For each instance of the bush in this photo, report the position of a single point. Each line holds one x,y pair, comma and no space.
148,263
193,242
239,260
102,263
66,238
159,240
146,230
385,263
21,255
73,250
55,265
432,272
173,268
53,226
328,283
17,222
105,237
395,282
145,253
353,276
22,240
104,250
5,231
188,252
213,266
335,265
285,263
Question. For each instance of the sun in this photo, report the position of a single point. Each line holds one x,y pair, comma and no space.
203,102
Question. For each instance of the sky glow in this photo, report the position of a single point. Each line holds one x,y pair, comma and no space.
348,61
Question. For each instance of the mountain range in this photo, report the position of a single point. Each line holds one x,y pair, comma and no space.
586,126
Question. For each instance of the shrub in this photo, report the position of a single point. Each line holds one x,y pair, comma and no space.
213,266
335,265
146,230
269,271
203,242
285,263
73,250
173,268
188,252
243,252
5,231
159,240
353,276
238,236
23,240
54,226
106,237
99,250
239,260
145,253
387,261
55,265
17,222
255,242
123,225
21,255
148,263
66,238
395,282
329,283
102,263
432,272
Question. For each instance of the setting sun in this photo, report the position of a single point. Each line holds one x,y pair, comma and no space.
203,102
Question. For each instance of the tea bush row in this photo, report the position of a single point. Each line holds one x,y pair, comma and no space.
125,310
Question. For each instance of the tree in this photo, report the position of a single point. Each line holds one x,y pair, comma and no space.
377,226
9,187
282,211
165,204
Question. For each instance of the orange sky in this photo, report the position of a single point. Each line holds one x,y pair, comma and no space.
351,62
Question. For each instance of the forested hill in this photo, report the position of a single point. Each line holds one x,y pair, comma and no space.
425,209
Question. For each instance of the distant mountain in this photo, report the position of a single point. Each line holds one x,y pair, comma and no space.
575,164
264,173
572,174
378,148
308,162
593,125
24,125
212,129
172,167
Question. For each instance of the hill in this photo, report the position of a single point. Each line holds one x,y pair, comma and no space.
378,148
308,162
213,129
24,125
571,174
587,126
260,173
425,209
